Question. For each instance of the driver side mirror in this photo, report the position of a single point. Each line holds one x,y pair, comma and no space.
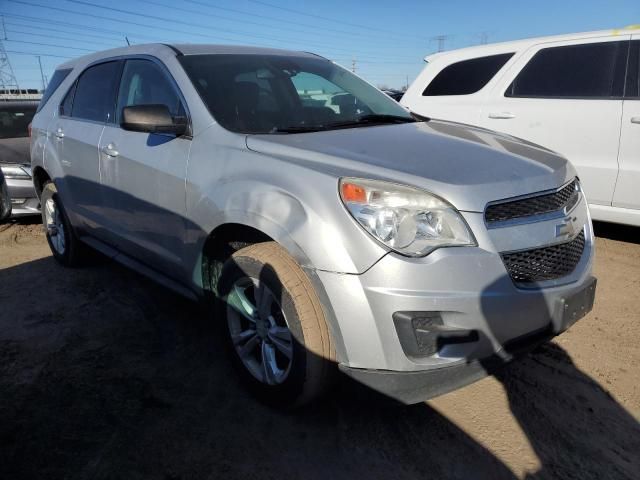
152,119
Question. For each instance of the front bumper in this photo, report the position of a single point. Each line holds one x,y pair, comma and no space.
467,288
24,200
417,386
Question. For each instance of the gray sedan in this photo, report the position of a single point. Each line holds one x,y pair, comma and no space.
15,160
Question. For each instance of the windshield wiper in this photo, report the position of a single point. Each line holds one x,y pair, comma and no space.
299,129
372,119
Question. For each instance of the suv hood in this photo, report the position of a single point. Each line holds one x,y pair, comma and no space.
467,166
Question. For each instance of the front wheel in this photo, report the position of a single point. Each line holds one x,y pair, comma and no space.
63,242
275,326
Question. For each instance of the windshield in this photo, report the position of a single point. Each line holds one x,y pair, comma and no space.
287,94
15,120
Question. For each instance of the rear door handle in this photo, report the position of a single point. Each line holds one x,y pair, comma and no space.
109,150
501,115
635,119
59,133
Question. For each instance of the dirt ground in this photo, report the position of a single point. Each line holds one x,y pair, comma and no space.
105,375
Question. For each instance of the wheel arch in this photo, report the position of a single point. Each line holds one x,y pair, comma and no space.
40,177
232,236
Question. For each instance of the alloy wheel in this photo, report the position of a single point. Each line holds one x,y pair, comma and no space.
55,226
259,331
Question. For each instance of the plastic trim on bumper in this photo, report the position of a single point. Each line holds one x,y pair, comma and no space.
416,387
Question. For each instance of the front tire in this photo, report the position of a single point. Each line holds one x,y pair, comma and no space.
63,242
275,326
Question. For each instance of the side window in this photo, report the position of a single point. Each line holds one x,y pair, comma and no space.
67,103
56,80
594,70
632,88
94,97
466,77
145,83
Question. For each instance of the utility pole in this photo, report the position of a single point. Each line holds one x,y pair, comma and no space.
353,65
44,83
8,79
484,38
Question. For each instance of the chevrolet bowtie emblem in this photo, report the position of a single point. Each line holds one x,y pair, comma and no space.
566,228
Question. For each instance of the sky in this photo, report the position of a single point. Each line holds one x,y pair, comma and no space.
385,42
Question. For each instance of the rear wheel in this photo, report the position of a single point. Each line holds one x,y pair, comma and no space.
275,326
62,240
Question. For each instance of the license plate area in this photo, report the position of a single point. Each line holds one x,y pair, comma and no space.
572,308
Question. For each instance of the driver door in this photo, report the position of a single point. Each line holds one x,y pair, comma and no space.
144,174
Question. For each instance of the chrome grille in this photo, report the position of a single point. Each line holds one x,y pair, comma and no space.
546,263
565,198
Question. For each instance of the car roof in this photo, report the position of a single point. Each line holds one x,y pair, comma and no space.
182,49
504,47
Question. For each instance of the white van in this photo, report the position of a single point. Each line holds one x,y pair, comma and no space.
575,94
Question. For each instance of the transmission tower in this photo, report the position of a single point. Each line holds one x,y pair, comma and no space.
440,39
7,77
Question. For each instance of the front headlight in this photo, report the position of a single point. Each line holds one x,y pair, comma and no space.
16,172
409,221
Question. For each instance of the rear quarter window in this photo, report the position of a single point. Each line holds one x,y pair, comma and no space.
593,70
466,77
54,83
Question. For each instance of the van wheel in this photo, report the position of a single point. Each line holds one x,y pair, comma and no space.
62,240
275,326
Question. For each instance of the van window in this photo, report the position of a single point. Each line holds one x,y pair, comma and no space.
145,83
632,89
95,93
466,77
54,83
594,70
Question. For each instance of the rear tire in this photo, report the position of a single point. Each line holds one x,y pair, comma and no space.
275,326
63,242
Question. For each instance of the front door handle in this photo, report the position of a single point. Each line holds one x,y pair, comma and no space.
501,115
109,150
635,119
59,133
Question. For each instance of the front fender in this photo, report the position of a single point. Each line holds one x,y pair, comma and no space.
297,206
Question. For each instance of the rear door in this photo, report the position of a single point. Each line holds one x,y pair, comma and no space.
567,96
144,174
86,107
627,194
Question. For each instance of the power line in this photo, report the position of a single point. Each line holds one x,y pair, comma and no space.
333,20
168,29
181,22
34,54
48,35
266,17
40,28
50,45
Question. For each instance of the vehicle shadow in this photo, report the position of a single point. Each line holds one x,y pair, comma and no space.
574,426
616,231
104,374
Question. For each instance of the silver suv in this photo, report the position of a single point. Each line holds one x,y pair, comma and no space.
326,223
